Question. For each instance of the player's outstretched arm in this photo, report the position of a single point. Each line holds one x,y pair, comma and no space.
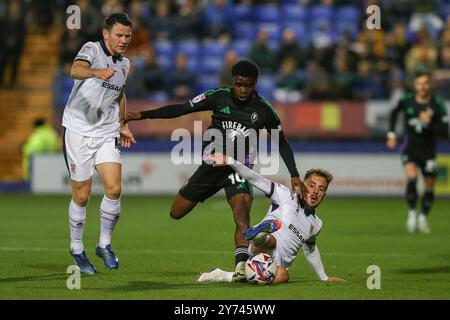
312,255
81,70
166,112
263,184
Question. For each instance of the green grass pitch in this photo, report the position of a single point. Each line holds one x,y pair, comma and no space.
160,257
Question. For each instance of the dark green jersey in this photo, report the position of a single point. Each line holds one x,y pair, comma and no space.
418,135
237,122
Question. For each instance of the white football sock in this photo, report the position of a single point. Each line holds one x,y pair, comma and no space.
109,215
77,220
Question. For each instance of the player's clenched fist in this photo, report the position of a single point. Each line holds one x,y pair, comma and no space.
104,74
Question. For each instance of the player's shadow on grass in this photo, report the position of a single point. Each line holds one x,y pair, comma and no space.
48,277
152,285
441,269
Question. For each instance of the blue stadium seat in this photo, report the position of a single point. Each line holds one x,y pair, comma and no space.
301,32
267,13
210,65
157,96
165,61
242,47
321,12
194,64
265,86
349,26
207,82
272,29
242,13
445,11
213,49
166,48
245,30
348,13
189,47
294,13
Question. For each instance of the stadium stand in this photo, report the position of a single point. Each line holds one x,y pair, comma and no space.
335,46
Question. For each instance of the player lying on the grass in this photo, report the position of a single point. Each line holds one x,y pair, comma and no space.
290,223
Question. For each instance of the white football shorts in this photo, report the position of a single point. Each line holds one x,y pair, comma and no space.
82,154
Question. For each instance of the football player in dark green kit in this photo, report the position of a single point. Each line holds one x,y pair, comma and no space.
425,119
237,111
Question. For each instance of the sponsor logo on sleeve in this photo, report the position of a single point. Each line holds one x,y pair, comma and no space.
83,57
199,98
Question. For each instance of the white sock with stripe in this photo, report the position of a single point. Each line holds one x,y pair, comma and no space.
109,215
77,220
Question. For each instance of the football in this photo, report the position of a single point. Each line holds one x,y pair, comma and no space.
260,269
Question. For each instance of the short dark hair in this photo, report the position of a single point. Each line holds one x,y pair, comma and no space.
245,68
114,18
421,71
321,173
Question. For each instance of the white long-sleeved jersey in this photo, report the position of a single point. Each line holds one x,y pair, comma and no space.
299,226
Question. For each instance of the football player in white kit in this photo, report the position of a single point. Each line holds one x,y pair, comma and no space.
289,224
93,133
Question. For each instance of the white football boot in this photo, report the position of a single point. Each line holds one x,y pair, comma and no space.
423,224
412,221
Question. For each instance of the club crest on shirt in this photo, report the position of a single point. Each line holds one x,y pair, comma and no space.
124,72
254,117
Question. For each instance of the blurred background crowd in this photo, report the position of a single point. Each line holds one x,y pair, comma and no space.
306,49
310,52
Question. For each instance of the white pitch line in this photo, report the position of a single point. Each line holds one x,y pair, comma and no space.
211,252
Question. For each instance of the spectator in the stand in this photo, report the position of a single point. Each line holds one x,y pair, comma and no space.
396,85
261,54
231,58
342,79
288,82
181,81
318,86
187,21
217,19
90,23
13,31
141,41
61,88
111,6
395,12
322,52
152,74
423,53
373,42
161,24
136,90
425,14
289,47
43,139
72,40
138,9
397,45
380,79
442,74
362,88
42,12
